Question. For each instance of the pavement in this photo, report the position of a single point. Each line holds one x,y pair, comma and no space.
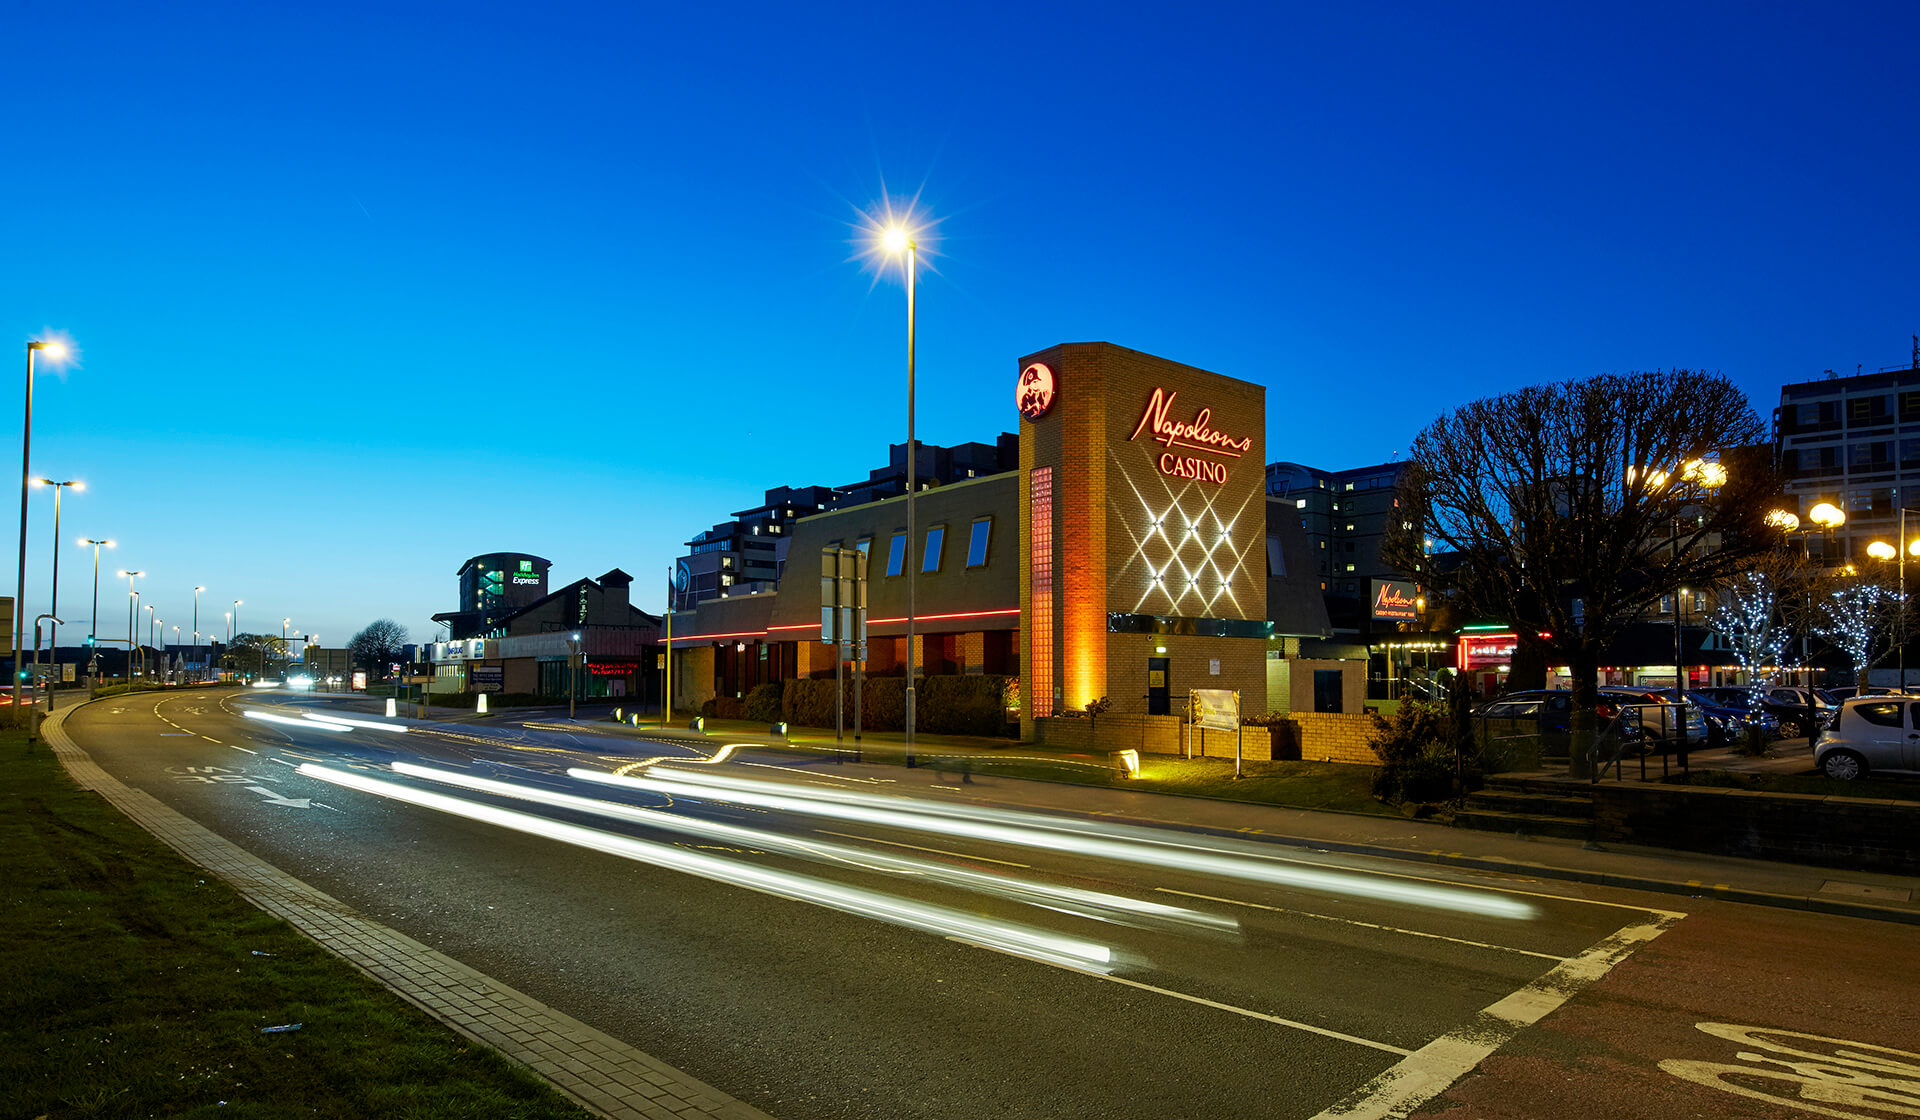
619,1081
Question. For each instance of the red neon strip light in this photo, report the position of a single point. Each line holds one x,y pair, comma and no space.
704,637
796,626
936,617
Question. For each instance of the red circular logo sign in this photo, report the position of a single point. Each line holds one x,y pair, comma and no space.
1033,393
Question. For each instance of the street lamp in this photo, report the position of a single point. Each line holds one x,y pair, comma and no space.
151,622
1826,517
196,624
133,605
1881,550
899,241
233,621
53,628
93,638
55,351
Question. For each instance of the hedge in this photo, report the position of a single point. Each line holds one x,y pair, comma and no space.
948,705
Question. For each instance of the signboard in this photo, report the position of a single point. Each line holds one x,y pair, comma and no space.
66,674
1485,651
1033,394
1191,435
1395,601
1216,708
843,598
6,626
360,679
486,678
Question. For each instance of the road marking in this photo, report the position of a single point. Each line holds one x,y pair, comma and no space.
918,848
1428,1071
273,798
1833,1071
1366,925
1295,1024
176,734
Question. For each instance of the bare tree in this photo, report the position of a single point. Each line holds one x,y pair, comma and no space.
1568,510
378,646
253,653
1758,612
1859,618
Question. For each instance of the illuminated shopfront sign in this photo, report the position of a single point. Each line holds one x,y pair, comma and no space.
1486,651
1033,393
1395,601
1196,434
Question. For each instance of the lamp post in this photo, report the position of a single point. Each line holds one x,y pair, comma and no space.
229,627
93,638
152,622
53,628
196,624
573,673
53,350
1881,550
1825,517
899,241
133,604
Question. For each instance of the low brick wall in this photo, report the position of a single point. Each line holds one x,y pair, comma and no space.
1147,734
1800,828
1326,737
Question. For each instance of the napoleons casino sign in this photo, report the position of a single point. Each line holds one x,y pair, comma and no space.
1180,436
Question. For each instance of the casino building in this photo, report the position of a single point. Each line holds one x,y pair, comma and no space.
1133,555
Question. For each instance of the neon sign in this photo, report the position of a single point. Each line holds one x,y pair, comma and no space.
1033,393
1194,435
1395,600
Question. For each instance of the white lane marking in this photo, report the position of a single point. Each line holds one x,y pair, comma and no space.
1428,1071
1295,1024
1366,925
918,848
176,734
243,749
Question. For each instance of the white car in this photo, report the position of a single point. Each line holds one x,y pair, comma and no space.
1871,734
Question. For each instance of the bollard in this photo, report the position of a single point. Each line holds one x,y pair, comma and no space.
390,708
480,705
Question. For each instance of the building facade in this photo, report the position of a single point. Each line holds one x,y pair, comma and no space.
1853,442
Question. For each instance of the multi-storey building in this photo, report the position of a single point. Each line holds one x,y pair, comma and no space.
1854,442
1345,515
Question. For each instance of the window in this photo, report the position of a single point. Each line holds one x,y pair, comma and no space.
936,537
1350,568
1884,714
977,542
1666,604
896,554
1276,561
1300,504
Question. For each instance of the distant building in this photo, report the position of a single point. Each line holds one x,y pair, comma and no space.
493,586
527,651
1854,442
1345,515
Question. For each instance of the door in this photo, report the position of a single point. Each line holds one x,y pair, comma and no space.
1157,692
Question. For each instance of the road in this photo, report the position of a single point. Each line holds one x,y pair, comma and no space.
827,944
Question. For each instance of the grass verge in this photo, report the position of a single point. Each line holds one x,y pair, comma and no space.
139,985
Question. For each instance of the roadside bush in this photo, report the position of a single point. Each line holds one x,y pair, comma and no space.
1416,751
724,707
764,702
951,705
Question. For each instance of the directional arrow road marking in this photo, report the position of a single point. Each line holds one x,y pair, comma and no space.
273,798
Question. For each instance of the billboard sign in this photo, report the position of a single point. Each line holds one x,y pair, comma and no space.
1217,708
1395,601
486,678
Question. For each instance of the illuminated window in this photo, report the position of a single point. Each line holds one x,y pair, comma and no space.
1350,567
1040,556
897,554
936,539
1301,504
977,542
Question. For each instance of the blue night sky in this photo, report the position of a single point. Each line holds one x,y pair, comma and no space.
363,290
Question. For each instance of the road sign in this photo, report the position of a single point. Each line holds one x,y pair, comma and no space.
6,626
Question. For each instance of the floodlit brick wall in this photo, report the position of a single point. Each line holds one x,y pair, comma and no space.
1147,734
1327,737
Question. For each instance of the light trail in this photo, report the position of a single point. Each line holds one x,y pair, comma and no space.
1097,905
1024,940
1087,838
319,718
312,725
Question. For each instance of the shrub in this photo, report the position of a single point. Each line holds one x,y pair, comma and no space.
953,705
763,702
724,707
1416,753
1426,776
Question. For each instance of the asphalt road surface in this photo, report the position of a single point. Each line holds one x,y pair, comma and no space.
826,945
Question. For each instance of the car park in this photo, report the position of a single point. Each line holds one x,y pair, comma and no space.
1871,735
1727,723
1645,720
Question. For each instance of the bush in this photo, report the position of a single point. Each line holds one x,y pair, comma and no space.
764,702
1416,754
724,707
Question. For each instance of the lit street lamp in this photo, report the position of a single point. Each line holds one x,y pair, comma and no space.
898,241
55,351
93,637
1825,517
53,628
133,606
196,624
233,621
1881,550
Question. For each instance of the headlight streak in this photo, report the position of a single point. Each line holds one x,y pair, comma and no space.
318,718
1096,905
311,725
1027,941
718,757
1083,838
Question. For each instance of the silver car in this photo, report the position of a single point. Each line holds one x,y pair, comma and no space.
1871,734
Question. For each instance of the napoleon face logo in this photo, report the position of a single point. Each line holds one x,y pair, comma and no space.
1033,393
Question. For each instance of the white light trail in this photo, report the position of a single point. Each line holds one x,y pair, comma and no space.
311,725
1081,837
1025,941
1097,905
319,717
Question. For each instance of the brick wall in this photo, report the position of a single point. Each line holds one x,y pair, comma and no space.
1326,737
1803,828
1146,734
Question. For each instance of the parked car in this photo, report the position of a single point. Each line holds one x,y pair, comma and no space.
1871,735
1666,724
1800,699
1646,720
1727,723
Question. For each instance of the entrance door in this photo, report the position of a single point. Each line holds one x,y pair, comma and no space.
1157,691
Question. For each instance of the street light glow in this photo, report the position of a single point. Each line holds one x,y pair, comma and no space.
895,240
1881,550
1827,515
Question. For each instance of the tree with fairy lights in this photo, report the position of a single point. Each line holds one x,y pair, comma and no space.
1749,618
1858,618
